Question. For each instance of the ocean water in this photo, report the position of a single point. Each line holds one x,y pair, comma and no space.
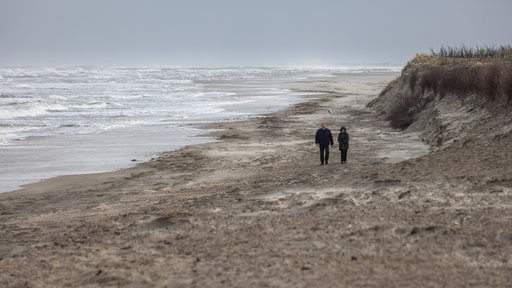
70,120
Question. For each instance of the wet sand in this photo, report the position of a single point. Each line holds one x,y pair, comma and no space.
257,210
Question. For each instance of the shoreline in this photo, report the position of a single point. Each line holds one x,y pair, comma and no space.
214,131
305,88
121,125
257,209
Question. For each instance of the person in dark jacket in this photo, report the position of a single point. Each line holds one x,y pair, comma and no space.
323,138
343,141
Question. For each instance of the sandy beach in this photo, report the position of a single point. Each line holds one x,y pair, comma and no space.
256,209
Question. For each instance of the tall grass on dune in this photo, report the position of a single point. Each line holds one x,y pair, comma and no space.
488,80
491,81
470,52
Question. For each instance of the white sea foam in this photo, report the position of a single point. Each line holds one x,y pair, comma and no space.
57,97
118,125
97,104
55,72
29,110
23,86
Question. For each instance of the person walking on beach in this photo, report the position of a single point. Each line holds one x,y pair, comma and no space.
323,138
343,141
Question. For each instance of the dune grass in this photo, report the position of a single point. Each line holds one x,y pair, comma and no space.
462,72
491,81
470,52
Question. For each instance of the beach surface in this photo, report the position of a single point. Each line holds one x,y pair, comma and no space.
256,209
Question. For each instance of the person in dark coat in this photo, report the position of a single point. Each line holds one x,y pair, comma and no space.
323,138
343,141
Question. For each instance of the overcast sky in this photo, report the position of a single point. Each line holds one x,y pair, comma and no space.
243,32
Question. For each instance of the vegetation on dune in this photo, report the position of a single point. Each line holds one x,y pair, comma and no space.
404,110
462,72
490,80
470,52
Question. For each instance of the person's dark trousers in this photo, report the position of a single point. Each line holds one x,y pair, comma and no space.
324,149
343,156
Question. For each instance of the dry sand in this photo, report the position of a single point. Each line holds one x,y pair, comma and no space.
257,210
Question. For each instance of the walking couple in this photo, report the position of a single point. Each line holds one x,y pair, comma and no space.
323,138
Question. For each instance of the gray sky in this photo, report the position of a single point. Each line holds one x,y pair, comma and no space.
243,32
